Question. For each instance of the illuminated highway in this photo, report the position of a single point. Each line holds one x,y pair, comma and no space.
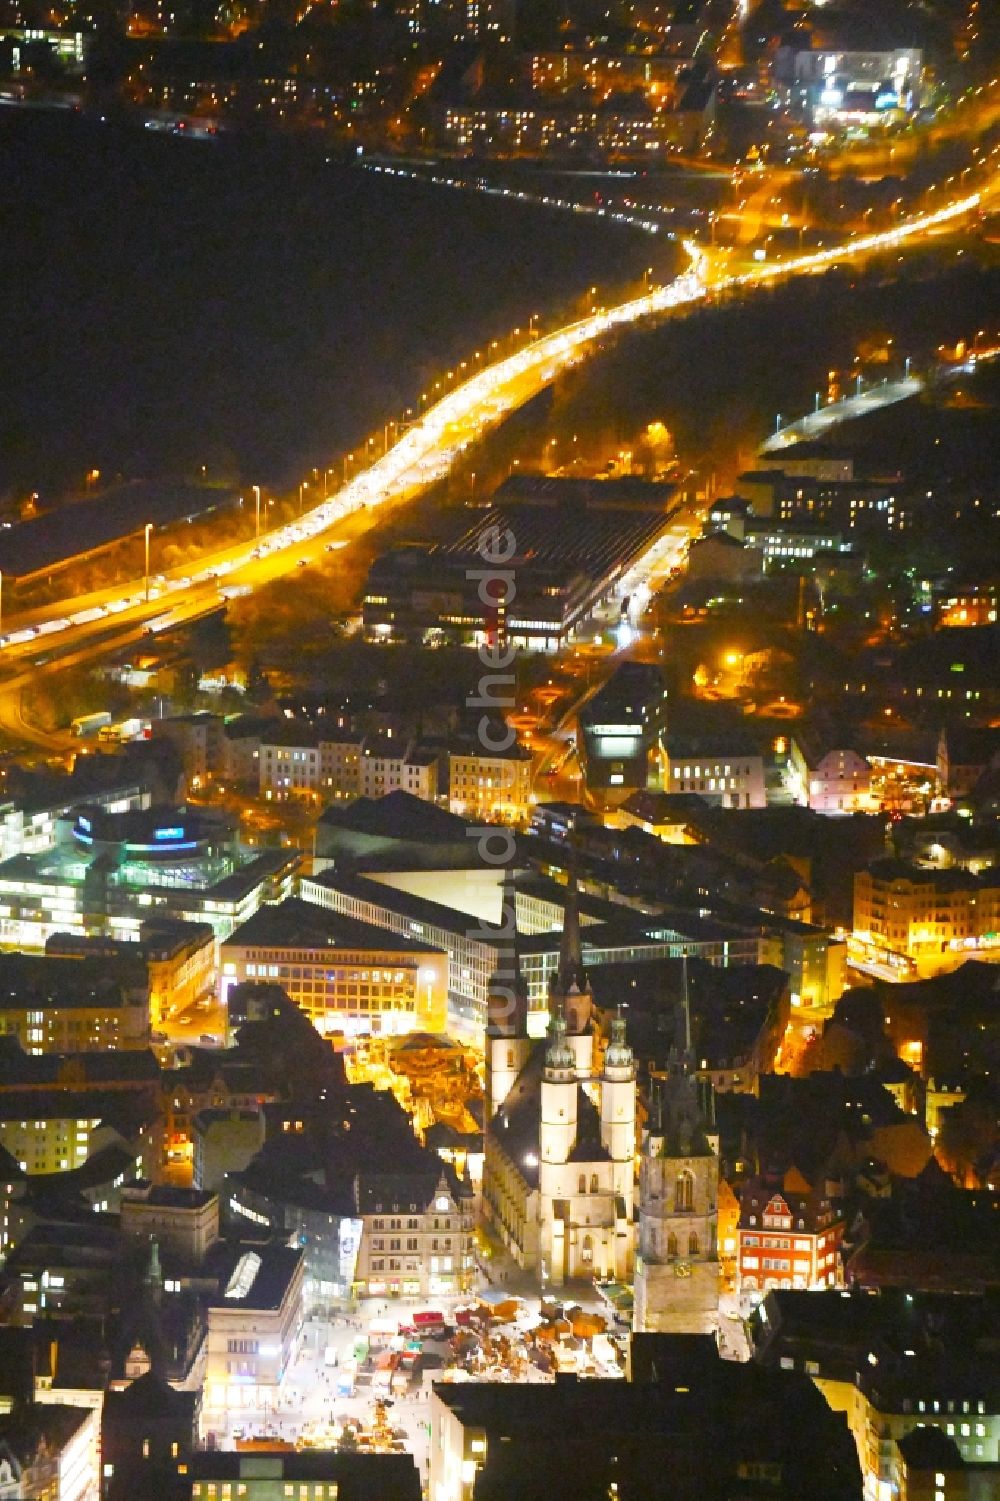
418,459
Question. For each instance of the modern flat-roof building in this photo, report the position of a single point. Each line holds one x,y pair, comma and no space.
842,503
347,975
726,769
30,823
111,873
574,540
254,1323
309,1474
694,1426
621,730
475,945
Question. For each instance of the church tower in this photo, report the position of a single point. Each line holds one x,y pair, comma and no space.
507,1044
677,1260
556,1141
570,995
618,1112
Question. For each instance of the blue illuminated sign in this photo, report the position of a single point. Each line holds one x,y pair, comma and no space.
169,834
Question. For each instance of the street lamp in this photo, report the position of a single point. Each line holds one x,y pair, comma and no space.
147,529
303,487
256,496
817,399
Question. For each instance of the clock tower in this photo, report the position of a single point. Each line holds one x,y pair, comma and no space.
677,1256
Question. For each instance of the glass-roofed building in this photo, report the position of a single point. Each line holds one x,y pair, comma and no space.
108,873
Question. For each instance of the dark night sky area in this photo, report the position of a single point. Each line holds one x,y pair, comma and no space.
243,304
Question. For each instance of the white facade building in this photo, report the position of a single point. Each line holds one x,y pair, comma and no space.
835,781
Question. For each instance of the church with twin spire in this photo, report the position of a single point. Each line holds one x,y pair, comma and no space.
559,1171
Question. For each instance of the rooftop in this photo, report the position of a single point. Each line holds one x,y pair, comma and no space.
44,981
357,1477
294,923
51,538
397,815
252,1276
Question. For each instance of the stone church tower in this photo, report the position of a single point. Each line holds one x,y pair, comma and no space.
558,1176
508,1046
677,1256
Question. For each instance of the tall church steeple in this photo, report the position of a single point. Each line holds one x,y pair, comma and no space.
677,1277
570,995
570,972
507,997
618,1111
507,1043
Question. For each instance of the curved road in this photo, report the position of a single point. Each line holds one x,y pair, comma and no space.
50,639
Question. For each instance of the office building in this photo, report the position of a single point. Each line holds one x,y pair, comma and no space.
475,945
309,1475
347,976
725,769
844,504
254,1324
621,731
111,873
688,1425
